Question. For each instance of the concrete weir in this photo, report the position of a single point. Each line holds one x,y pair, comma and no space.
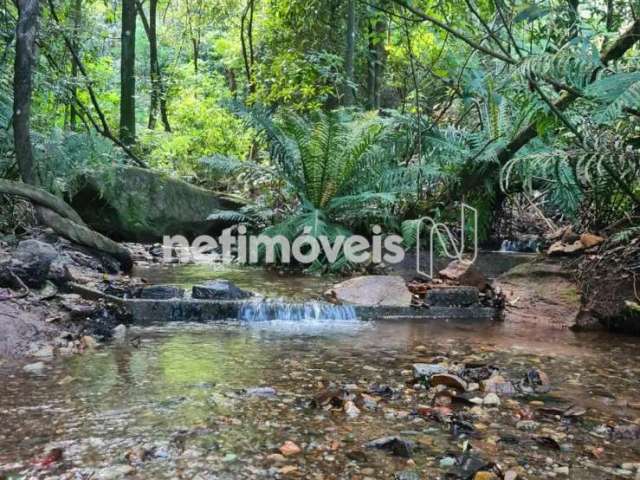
256,309
210,310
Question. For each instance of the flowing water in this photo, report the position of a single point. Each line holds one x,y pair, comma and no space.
268,283
182,401
217,401
294,287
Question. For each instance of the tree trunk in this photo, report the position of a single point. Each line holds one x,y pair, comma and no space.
162,91
76,19
85,236
371,69
158,93
574,18
196,54
153,67
376,61
349,94
50,210
246,42
127,73
22,87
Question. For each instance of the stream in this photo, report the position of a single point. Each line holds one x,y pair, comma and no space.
178,401
221,401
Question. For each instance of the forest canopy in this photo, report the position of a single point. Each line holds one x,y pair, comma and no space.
340,113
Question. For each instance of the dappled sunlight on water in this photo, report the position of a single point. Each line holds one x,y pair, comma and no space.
180,397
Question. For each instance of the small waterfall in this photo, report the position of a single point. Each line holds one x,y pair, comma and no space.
270,310
524,246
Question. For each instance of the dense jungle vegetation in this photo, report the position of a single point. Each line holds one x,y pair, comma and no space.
334,114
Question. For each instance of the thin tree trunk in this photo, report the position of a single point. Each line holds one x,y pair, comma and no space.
371,69
376,61
349,94
164,116
127,73
195,35
22,87
162,89
381,60
153,59
573,18
77,19
50,210
103,128
158,93
196,53
246,42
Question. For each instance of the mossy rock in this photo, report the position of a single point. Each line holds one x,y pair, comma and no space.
539,268
138,205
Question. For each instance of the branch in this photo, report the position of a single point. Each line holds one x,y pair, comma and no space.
507,27
105,130
25,289
556,111
486,27
58,215
614,52
456,33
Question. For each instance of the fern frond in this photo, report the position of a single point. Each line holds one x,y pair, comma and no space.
615,93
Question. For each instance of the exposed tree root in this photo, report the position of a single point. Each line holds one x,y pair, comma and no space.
40,197
65,221
24,293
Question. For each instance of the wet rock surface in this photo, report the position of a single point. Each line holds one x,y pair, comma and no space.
160,292
452,296
383,290
36,306
219,290
232,402
30,262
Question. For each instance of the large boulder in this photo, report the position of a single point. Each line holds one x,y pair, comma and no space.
389,290
134,204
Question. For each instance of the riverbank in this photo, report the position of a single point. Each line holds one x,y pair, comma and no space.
39,315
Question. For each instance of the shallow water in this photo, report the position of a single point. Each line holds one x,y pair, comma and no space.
179,397
297,287
269,283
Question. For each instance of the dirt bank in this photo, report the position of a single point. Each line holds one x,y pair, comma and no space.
542,292
39,316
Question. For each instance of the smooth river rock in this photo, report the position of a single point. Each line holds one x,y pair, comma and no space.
160,292
219,290
387,290
30,262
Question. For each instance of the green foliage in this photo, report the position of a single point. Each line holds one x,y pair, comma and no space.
64,156
614,93
201,126
449,109
333,162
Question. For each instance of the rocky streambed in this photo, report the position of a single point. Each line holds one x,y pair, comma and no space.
333,400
